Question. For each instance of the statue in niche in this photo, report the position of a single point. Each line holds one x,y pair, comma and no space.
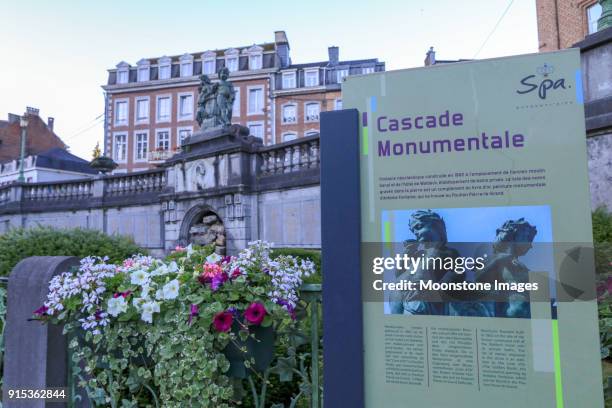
215,101
431,241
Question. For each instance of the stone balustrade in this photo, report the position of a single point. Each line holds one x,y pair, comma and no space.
65,190
152,181
290,157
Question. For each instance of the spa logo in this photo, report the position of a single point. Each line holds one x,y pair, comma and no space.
542,82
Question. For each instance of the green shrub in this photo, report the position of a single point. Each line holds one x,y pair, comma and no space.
602,237
20,243
312,254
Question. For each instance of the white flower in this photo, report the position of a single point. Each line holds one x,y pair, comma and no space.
159,295
213,258
173,267
139,277
171,289
116,305
145,291
138,302
190,250
148,309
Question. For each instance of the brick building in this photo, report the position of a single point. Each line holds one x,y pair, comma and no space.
150,107
563,23
40,136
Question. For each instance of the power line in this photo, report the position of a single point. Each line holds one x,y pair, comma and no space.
85,130
494,28
87,124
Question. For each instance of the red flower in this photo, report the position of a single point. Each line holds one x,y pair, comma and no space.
236,273
223,321
255,313
41,310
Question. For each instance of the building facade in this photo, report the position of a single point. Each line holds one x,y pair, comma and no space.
150,107
40,136
563,23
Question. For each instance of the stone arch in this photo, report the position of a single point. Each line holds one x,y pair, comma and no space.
203,225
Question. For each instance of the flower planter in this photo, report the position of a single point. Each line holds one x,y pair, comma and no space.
261,348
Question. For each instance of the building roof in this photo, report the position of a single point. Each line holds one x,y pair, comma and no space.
60,159
340,63
3,123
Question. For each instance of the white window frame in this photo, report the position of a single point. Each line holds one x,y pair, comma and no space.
231,54
143,70
258,123
306,119
116,111
123,68
591,9
126,144
338,101
211,57
146,155
164,62
311,71
236,112
255,51
186,65
263,100
341,74
286,105
157,98
289,74
178,134
162,130
311,132
178,106
148,118
368,70
285,134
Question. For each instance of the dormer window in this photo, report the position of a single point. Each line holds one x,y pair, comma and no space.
165,64
186,62
231,60
143,70
311,77
209,62
255,57
367,70
123,73
341,74
288,80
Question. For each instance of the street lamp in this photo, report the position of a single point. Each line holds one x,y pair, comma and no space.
24,127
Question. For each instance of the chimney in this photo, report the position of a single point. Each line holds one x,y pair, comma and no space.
12,118
430,58
32,111
282,48
334,55
50,121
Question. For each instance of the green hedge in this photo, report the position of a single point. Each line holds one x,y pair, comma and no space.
313,254
602,237
20,243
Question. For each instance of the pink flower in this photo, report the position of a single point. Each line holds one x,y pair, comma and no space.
223,321
179,248
122,294
41,310
210,271
128,263
236,273
255,313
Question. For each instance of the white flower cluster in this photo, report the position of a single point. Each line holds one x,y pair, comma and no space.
287,272
87,283
141,273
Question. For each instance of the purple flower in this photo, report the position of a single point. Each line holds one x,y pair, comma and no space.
255,313
290,309
218,280
41,310
194,311
223,321
226,259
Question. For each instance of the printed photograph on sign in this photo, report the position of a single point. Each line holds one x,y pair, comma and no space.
500,246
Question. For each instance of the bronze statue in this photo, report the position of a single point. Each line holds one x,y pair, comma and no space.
215,101
431,241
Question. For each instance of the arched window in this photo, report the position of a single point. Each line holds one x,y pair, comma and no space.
289,136
312,111
290,113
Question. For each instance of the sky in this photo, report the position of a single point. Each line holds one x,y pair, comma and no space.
54,55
